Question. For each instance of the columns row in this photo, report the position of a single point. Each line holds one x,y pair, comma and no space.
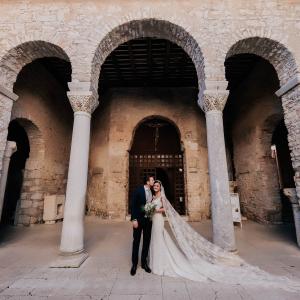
83,104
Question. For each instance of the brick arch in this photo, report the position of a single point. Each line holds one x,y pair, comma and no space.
30,208
147,28
273,51
16,58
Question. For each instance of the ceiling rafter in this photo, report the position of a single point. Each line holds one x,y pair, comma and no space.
148,62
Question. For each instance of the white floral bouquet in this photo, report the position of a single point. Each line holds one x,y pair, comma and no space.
149,209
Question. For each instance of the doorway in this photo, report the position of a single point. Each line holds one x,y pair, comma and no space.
156,150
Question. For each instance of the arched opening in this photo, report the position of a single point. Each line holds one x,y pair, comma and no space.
15,175
253,120
148,28
38,73
156,150
23,200
142,77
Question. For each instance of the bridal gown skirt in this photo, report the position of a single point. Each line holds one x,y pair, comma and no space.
165,257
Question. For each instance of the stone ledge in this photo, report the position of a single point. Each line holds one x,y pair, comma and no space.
6,92
288,86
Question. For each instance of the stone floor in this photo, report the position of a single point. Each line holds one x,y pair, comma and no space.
25,254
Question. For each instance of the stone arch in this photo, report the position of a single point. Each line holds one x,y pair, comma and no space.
147,28
273,51
26,169
16,58
285,64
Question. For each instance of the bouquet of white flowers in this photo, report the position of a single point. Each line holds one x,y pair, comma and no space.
149,209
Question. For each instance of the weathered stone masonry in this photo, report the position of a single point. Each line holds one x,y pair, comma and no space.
85,33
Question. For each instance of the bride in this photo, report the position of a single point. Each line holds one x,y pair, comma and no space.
191,256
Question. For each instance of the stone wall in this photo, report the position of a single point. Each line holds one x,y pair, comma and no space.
78,27
44,112
291,107
82,32
112,133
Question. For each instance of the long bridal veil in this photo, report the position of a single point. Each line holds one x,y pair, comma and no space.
213,262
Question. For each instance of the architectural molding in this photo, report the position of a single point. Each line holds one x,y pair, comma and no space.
289,85
6,92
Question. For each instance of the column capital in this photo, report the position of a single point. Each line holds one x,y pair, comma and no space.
11,148
214,100
81,98
82,101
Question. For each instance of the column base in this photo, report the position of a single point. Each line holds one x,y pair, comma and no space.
74,260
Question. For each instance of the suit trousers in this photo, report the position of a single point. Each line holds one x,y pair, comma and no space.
145,226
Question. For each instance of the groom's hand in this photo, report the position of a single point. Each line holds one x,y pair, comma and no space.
135,224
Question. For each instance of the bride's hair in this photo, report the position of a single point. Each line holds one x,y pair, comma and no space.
158,181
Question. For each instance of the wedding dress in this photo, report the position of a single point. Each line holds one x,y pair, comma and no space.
191,256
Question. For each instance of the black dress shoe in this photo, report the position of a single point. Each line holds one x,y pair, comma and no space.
133,270
146,268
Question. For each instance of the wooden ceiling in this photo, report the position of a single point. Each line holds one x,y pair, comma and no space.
152,62
148,62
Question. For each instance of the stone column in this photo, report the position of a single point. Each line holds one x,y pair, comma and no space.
11,148
213,102
72,238
7,99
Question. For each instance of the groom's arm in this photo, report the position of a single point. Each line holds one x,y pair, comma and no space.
134,211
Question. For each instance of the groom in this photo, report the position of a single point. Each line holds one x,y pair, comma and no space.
140,223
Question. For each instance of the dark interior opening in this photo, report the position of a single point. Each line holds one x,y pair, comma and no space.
156,150
15,175
148,62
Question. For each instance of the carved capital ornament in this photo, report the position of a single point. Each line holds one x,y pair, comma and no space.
85,102
214,100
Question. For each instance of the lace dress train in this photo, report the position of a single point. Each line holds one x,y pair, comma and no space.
193,257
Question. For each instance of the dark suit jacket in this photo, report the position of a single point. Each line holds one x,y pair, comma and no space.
137,203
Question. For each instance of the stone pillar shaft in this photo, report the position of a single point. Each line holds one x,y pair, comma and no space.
223,230
73,225
9,150
7,99
72,238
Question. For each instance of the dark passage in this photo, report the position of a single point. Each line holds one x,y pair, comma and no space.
16,171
